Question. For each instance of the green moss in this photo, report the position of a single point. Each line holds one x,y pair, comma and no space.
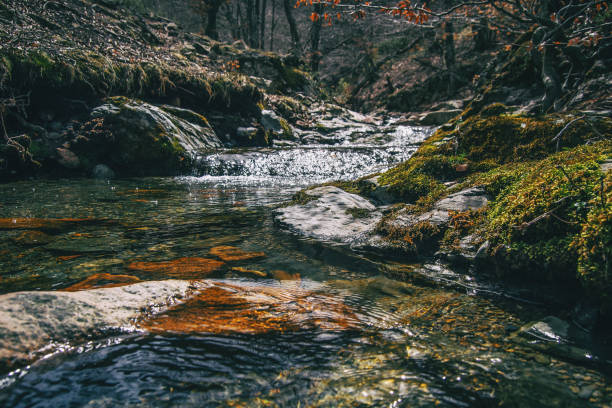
358,212
507,138
287,132
300,198
493,109
419,237
546,213
594,245
420,177
295,78
87,75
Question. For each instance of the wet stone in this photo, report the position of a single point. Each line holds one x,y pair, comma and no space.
550,328
473,198
33,238
53,224
83,244
329,216
249,272
32,320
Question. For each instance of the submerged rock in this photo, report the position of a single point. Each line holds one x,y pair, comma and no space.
230,253
85,244
32,238
53,224
103,280
29,321
33,323
251,272
253,309
332,215
186,268
102,172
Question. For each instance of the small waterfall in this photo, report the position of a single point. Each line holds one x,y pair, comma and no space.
317,163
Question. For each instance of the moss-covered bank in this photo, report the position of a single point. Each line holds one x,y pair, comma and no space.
549,218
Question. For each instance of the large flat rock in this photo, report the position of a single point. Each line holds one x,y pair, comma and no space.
333,215
30,321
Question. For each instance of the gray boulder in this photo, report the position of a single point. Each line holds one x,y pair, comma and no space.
31,321
103,172
136,137
333,215
271,122
473,198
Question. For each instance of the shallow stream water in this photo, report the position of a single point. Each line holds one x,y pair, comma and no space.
443,339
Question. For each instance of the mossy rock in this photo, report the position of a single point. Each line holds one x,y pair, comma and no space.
86,75
550,219
134,137
511,138
594,246
421,176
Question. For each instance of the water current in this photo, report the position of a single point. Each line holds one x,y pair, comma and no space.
340,331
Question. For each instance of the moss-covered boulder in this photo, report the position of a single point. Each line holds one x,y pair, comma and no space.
134,137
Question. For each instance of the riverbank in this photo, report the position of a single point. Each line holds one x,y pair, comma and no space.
524,198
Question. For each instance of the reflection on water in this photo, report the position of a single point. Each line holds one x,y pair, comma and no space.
284,322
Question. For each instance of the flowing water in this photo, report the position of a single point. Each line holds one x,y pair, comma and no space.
358,338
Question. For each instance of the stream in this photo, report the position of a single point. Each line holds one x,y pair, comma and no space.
446,339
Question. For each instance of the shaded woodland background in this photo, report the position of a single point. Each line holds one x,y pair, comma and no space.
367,60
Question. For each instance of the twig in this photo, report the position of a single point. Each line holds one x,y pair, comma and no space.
603,197
547,214
557,138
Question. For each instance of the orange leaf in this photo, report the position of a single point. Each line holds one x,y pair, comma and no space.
314,17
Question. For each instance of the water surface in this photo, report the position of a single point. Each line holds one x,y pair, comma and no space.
449,341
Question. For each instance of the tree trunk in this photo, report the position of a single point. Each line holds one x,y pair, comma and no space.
256,25
315,36
543,56
448,51
273,25
232,20
295,38
251,30
262,24
211,14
